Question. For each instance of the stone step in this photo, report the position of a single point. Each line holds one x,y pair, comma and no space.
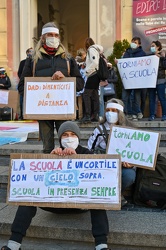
142,229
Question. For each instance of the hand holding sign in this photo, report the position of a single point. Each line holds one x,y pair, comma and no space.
57,75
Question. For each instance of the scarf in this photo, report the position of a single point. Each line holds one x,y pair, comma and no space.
50,51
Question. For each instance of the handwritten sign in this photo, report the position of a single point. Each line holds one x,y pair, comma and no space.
137,147
4,96
79,181
49,99
139,72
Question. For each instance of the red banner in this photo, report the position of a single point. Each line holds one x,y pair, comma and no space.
147,8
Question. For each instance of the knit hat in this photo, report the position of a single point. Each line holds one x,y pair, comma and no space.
69,126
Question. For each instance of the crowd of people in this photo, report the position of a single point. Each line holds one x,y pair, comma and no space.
49,59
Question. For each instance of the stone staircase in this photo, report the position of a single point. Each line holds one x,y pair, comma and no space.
132,228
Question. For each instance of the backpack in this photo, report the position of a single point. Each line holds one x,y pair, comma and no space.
150,186
104,133
102,71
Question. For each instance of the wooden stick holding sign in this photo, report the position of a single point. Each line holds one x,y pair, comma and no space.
135,146
46,99
77,181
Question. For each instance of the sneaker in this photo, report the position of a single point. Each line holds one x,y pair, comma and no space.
100,118
7,248
134,118
85,119
163,118
129,117
140,116
151,118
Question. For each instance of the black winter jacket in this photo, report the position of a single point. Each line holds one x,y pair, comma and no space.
48,65
112,78
138,52
83,150
6,82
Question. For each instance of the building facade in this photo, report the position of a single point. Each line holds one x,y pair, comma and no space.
21,22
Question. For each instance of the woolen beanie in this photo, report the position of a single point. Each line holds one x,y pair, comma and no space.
69,126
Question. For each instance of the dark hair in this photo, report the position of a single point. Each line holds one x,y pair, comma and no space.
27,51
158,44
136,38
88,42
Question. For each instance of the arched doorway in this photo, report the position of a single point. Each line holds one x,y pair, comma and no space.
72,18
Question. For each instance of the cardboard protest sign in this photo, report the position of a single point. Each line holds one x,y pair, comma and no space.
49,99
139,72
135,146
77,181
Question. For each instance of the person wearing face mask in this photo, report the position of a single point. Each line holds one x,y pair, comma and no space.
156,49
134,100
50,59
21,75
69,136
5,82
114,114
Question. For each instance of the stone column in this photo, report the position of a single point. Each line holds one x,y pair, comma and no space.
28,25
102,22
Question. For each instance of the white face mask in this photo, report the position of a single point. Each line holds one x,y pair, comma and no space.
111,117
70,142
52,42
133,45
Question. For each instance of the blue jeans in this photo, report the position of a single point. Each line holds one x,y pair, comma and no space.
126,100
131,99
128,177
136,101
160,88
101,101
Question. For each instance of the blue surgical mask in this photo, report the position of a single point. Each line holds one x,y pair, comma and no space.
133,45
153,49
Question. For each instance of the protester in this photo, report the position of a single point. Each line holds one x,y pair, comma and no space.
69,136
80,59
29,53
51,59
90,95
156,49
113,78
132,109
5,82
114,114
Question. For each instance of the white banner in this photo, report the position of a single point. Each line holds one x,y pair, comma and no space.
50,98
78,180
137,147
139,72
